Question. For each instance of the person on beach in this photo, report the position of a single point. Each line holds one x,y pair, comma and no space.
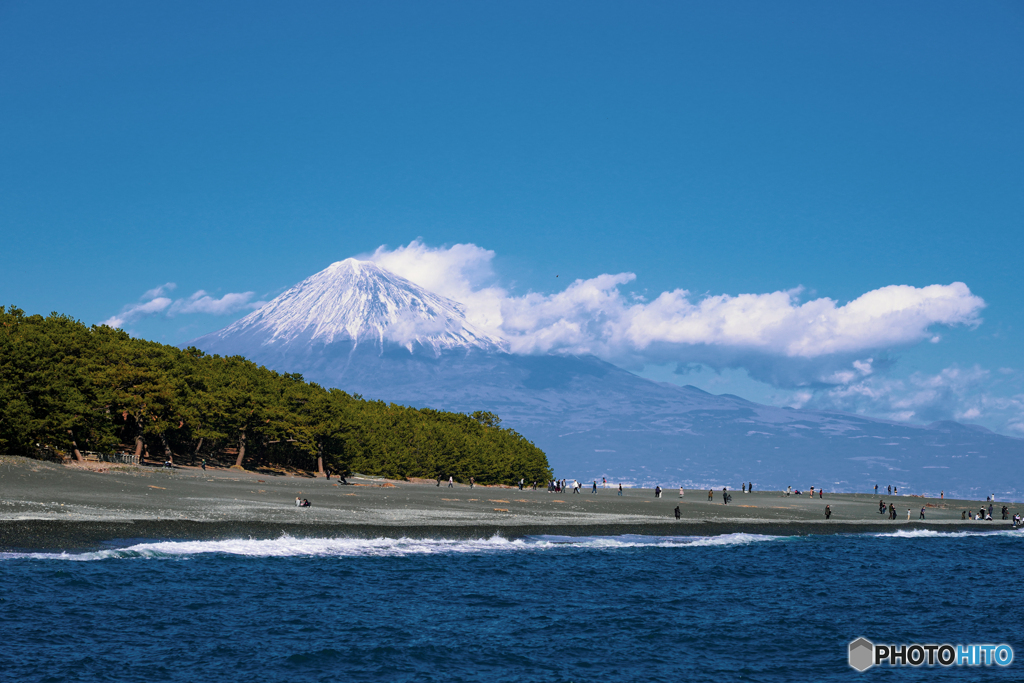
876,489
594,490
620,489
678,514
725,496
711,494
472,481
657,492
990,509
680,491
922,514
895,491
942,495
439,481
744,487
881,506
889,488
812,492
828,512
203,465
963,515
821,493
750,487
604,482
908,514
521,483
1006,512
305,503
451,482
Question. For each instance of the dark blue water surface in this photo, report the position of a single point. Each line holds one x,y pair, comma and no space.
727,608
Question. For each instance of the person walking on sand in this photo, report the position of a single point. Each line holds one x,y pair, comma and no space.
472,481
750,487
744,487
657,492
876,489
620,489
594,490
908,514
828,512
451,482
203,465
922,514
821,493
942,495
680,491
678,514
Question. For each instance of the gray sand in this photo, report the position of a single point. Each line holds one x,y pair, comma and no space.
49,506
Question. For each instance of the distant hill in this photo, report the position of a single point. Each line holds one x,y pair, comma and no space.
360,328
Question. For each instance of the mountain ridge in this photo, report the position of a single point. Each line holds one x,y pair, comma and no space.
594,419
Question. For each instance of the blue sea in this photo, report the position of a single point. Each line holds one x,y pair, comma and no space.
737,607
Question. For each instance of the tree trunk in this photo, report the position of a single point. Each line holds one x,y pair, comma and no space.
241,448
199,447
74,446
320,458
168,453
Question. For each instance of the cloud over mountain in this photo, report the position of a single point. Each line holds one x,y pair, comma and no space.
594,316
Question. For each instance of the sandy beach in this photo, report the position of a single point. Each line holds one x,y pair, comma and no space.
49,506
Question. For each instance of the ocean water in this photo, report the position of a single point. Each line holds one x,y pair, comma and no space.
737,607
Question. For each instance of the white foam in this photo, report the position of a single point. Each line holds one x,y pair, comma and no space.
288,546
931,533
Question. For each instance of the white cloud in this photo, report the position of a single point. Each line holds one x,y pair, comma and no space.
153,303
955,393
201,302
159,291
135,311
594,316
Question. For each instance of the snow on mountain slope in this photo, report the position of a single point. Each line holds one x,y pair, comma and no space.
359,302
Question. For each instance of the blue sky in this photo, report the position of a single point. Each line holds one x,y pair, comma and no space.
720,148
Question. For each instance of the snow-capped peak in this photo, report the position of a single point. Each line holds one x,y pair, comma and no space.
359,301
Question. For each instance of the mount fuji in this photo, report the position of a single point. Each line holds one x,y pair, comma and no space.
367,331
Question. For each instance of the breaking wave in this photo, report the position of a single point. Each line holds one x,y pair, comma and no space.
930,533
288,546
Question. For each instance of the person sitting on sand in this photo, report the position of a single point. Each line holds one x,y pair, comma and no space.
305,503
298,502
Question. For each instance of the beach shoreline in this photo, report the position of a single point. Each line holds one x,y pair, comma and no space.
50,507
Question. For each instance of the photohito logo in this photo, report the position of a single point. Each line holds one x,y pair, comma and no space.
864,654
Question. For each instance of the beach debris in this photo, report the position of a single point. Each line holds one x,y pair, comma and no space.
492,500
158,487
501,509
